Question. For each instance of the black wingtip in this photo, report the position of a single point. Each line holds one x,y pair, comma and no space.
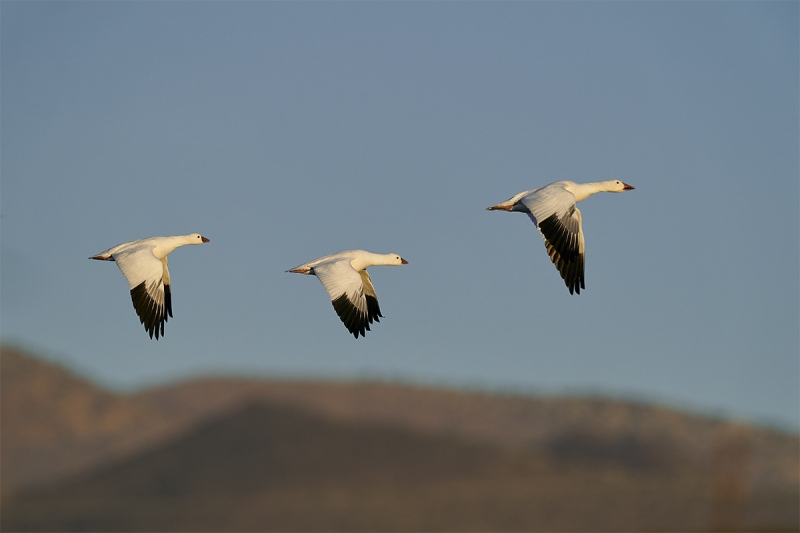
354,320
150,315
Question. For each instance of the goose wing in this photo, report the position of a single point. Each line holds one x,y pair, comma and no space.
148,278
553,211
373,309
352,294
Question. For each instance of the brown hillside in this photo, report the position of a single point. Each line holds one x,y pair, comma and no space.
269,468
54,425
513,421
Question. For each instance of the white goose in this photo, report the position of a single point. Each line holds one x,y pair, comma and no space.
144,265
344,275
552,209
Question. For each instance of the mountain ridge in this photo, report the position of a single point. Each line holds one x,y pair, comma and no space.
52,418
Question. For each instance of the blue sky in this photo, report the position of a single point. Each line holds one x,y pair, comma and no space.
287,131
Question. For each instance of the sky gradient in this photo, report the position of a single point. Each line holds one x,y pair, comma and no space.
287,131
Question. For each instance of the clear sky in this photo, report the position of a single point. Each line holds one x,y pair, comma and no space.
286,131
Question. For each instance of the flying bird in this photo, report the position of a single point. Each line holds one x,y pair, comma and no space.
144,265
344,275
554,213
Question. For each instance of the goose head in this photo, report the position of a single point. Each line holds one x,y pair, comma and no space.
196,238
395,259
620,186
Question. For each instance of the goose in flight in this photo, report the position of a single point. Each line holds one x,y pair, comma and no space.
344,275
144,265
554,213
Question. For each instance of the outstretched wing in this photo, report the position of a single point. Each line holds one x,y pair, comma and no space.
148,278
559,220
352,295
373,309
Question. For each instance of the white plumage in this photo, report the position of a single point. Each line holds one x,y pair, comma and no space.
344,275
552,209
144,265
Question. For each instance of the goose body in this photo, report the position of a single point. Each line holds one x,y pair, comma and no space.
553,210
344,275
144,265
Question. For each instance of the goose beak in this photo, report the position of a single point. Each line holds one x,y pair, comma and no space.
500,207
626,187
403,261
204,239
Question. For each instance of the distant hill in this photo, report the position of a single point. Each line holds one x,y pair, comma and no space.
236,455
54,423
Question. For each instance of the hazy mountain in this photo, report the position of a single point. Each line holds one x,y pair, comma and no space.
54,423
235,455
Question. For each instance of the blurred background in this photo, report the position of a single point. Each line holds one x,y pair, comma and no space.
665,397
